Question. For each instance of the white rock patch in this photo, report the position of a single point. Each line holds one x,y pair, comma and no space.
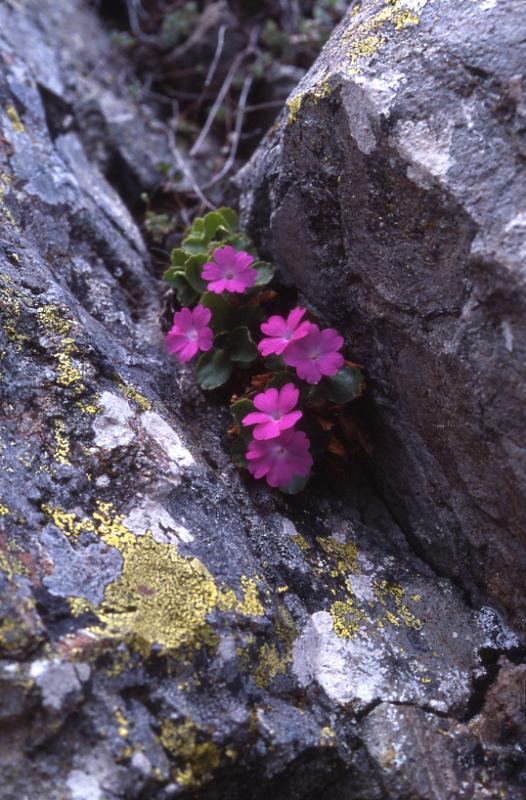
150,516
112,425
83,786
56,680
428,152
168,440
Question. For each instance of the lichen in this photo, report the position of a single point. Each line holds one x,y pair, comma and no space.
385,592
62,446
5,182
344,555
14,119
364,39
10,308
347,619
123,727
130,393
294,105
328,737
274,661
317,93
192,748
160,597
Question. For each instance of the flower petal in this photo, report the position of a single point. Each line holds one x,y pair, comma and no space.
267,401
254,418
270,429
288,398
289,420
224,256
202,316
274,326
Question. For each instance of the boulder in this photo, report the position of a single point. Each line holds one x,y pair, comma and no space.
166,630
391,192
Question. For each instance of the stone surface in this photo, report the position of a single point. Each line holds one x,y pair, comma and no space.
392,193
166,631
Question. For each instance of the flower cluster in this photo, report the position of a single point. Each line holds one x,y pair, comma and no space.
222,290
277,452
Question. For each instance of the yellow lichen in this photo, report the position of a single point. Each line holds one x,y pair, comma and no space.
250,605
186,743
130,393
294,105
14,119
271,661
67,372
327,737
346,618
385,592
5,182
123,728
300,541
66,521
10,308
344,555
79,606
62,446
89,406
321,90
365,38
54,320
53,317
160,597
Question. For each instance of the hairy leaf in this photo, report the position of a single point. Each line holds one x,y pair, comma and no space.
213,369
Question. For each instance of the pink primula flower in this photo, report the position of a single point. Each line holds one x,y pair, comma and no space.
275,412
316,354
282,332
229,271
190,333
280,460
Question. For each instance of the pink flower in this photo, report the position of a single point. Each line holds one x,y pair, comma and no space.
280,460
275,412
229,271
282,332
316,354
190,333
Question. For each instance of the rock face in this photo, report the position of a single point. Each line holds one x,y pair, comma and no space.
392,193
165,631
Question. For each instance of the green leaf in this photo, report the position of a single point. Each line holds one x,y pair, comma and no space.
178,257
241,241
282,378
185,294
212,221
296,485
239,411
198,226
213,369
274,363
171,273
265,272
193,269
239,453
220,308
346,385
194,244
242,347
251,316
230,217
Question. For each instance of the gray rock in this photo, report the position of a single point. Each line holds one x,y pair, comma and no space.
392,194
165,631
